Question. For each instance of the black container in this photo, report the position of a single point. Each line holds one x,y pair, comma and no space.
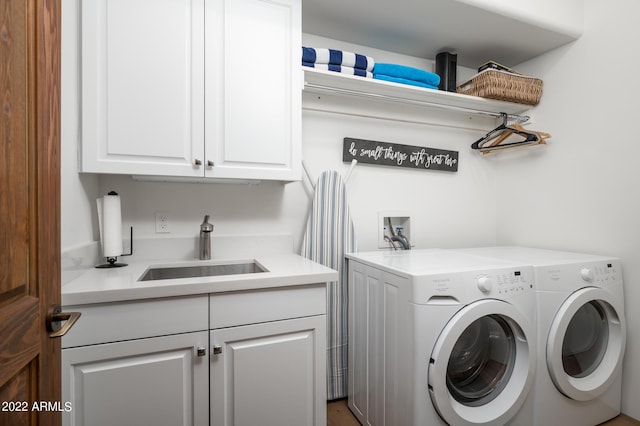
446,67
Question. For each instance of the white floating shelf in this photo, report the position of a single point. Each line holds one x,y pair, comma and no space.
323,82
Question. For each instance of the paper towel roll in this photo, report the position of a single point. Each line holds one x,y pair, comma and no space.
110,223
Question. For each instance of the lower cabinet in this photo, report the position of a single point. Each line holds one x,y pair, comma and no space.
270,374
244,358
160,381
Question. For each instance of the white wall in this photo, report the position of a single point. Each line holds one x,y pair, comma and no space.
552,14
78,192
580,193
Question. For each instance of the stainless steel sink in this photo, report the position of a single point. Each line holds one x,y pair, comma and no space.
170,273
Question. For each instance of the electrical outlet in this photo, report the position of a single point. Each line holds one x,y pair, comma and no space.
163,223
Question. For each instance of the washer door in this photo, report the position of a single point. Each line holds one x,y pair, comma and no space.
586,343
482,365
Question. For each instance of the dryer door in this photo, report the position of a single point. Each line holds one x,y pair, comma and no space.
586,343
482,365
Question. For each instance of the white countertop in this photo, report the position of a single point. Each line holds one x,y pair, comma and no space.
117,284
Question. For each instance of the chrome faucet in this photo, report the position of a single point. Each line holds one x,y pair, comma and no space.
205,239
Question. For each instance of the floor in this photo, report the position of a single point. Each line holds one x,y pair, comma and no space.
338,414
622,420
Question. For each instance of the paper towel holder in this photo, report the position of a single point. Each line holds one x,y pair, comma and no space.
112,261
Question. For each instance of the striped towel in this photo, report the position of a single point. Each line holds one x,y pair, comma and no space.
329,235
340,68
337,57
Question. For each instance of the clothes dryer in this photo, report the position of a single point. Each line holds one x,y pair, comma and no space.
581,332
438,337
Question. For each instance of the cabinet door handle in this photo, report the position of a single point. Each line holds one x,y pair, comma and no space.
200,351
55,316
217,349
197,162
210,163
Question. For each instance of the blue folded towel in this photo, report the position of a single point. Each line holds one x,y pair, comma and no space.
404,81
337,57
408,73
340,69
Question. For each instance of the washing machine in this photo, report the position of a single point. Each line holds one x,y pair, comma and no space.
581,332
438,337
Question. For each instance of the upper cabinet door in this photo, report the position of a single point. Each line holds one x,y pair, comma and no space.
253,89
143,87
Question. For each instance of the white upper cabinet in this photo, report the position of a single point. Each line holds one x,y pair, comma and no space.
142,86
253,84
189,88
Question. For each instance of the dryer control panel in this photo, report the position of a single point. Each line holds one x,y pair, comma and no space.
571,276
600,273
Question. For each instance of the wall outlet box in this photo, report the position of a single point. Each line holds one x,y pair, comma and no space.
398,219
163,223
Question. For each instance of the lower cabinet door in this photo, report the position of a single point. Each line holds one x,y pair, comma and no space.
269,374
156,381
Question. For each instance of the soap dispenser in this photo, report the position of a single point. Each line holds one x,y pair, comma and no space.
205,239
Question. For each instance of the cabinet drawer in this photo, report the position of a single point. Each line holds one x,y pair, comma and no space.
256,306
111,322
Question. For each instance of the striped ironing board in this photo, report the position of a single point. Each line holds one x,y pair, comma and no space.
329,235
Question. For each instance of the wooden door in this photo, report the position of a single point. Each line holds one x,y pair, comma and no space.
29,210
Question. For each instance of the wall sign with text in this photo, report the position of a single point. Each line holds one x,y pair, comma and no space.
392,154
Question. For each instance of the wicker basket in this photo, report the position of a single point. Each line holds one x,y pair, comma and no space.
503,86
